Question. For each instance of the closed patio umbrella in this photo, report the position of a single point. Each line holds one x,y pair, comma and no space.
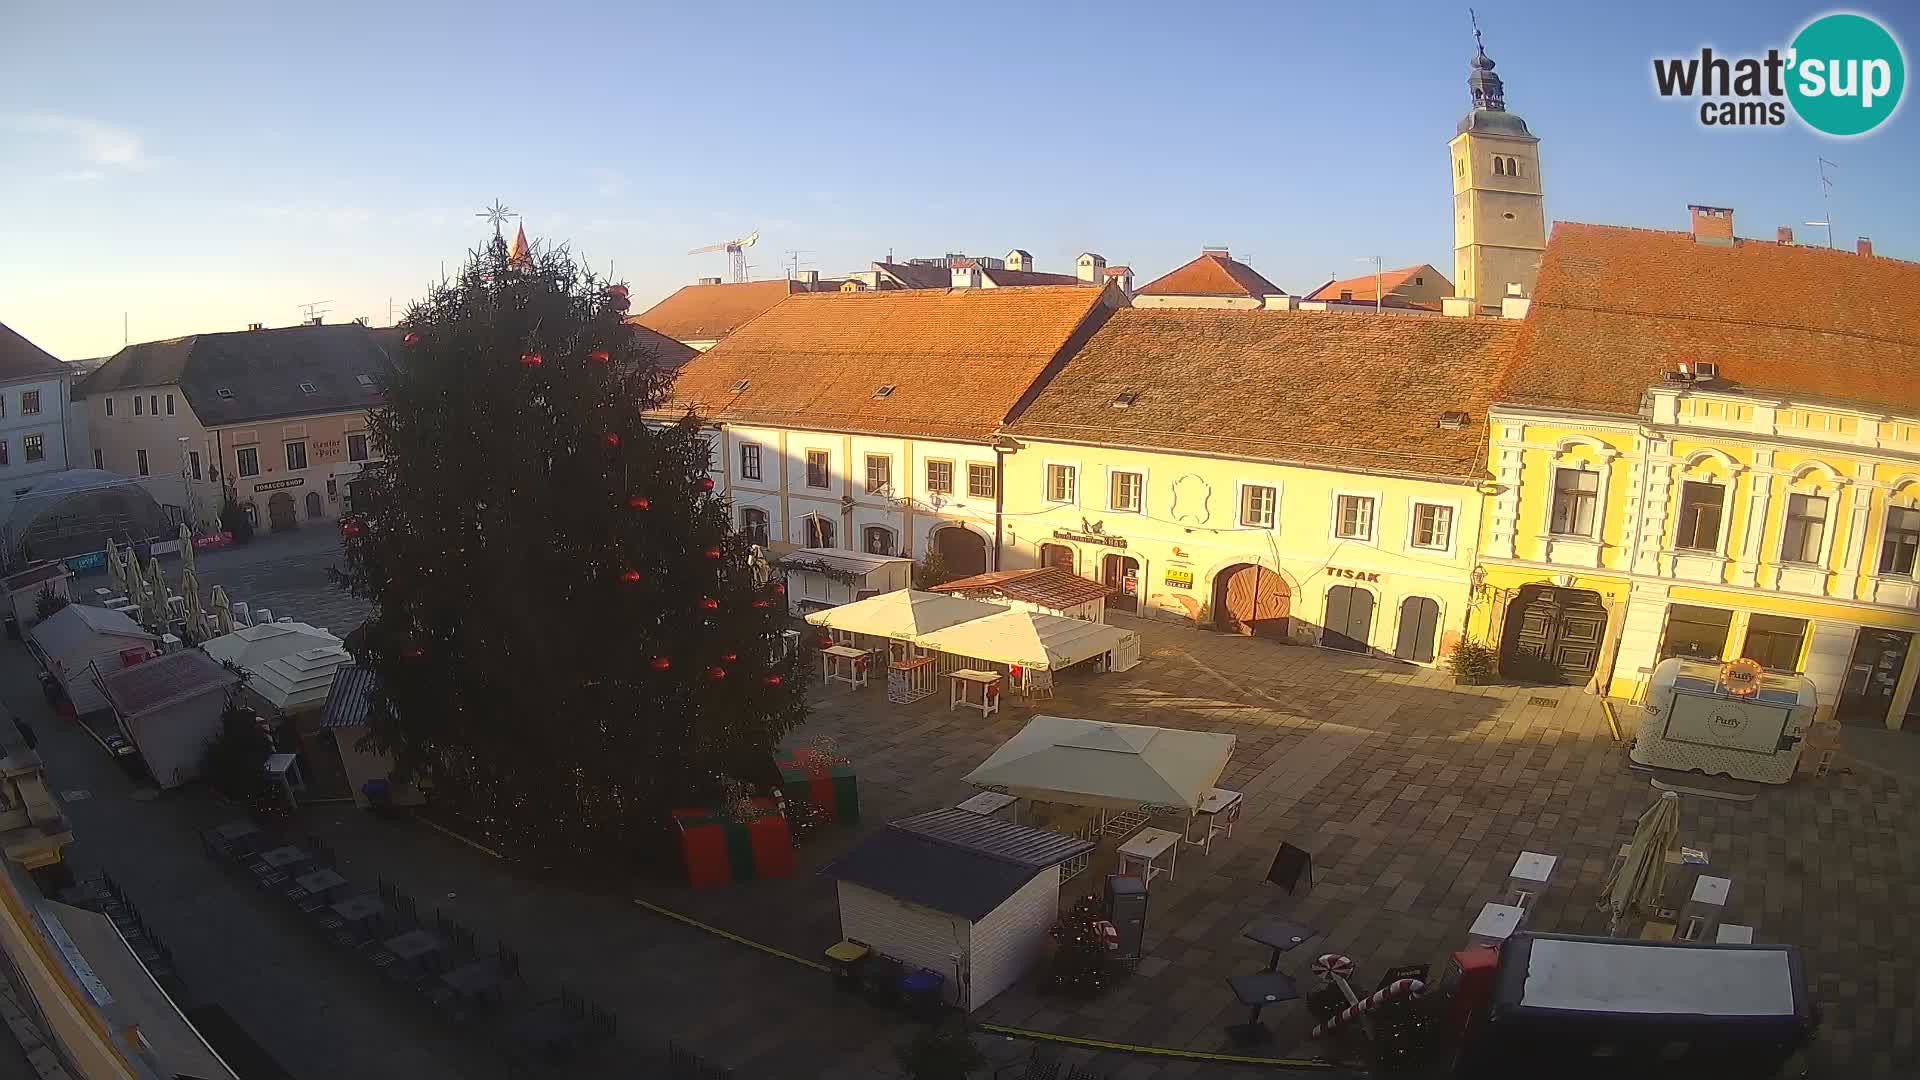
222,611
114,579
197,629
186,549
132,581
1635,884
157,585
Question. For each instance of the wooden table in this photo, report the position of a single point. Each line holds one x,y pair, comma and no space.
319,881
473,980
1218,811
1148,846
414,944
358,908
843,663
964,682
282,857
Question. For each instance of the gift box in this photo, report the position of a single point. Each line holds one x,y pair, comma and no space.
718,850
834,790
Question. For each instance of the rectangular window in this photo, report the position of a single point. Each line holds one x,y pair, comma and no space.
3,452
140,461
1806,529
1699,527
879,540
749,461
99,459
30,403
939,477
109,407
1353,517
193,463
1696,632
879,475
980,481
1902,541
1126,491
753,526
139,405
1060,483
1432,526
169,404
153,404
819,531
1258,506
1576,494
297,454
247,460
1774,641
35,448
817,465
357,447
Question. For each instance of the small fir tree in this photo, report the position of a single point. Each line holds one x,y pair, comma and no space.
567,635
933,572
46,602
1082,964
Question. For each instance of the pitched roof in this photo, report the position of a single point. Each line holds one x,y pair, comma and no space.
1020,278
1326,388
1046,586
1214,273
917,276
33,576
958,360
711,312
1615,308
20,358
349,698
1362,287
263,371
953,860
668,352
164,681
79,625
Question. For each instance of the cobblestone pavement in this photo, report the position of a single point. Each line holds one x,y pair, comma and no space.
283,572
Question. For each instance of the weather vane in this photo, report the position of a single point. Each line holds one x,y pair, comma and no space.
1475,20
498,214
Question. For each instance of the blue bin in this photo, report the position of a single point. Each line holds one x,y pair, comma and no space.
923,992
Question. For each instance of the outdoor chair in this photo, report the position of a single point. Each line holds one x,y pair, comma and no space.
600,1025
571,1003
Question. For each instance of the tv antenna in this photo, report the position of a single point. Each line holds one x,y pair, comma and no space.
736,253
1826,199
793,261
311,312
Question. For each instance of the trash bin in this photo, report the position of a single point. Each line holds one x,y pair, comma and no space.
882,977
922,993
846,959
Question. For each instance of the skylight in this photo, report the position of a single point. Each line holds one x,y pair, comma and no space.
1125,401
225,394
883,393
309,388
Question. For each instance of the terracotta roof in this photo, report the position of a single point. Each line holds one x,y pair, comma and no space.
917,277
668,352
958,360
1026,278
1326,388
1362,287
1046,586
1615,308
1212,274
20,358
711,312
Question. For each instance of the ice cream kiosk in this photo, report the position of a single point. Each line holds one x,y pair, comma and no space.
1732,719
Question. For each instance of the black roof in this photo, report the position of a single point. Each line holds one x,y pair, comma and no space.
20,358
262,370
1494,121
348,698
954,860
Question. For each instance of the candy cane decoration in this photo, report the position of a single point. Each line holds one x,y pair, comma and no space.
1332,965
1393,991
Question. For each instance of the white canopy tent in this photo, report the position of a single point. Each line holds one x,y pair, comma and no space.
251,646
1059,759
299,682
903,615
1035,641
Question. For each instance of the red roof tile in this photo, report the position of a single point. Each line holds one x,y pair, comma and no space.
1362,287
1328,388
711,312
1616,308
1212,274
1046,586
958,360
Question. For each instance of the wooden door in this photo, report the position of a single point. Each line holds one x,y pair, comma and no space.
280,511
1419,625
1114,572
1554,635
1057,555
1349,623
962,551
1252,600
1872,676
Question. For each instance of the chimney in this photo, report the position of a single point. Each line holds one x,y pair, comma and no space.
1863,246
1712,225
706,281
1514,305
1783,235
965,276
1220,251
315,321
807,277
256,326
1092,268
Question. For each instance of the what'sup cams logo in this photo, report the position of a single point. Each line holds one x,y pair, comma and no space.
1842,76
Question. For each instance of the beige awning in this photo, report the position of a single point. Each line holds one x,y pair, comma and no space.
904,614
1120,766
1030,639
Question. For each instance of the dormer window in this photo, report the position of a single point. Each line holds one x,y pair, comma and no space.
1346,294
1125,401
741,385
364,380
224,394
309,388
884,392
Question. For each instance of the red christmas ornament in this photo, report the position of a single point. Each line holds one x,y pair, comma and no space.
708,603
713,553
600,356
779,588
410,340
638,502
706,483
631,577
824,641
613,439
728,657
413,652
531,359
774,680
716,673
660,663
350,527
617,290
763,603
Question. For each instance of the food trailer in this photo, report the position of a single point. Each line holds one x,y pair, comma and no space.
1731,719
1564,1006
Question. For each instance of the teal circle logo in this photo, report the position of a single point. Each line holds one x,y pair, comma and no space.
1847,74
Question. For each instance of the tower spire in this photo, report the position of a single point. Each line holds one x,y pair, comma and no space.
1482,84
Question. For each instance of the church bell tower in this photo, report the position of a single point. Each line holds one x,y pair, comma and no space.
1499,220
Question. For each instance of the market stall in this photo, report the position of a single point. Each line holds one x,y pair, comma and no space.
1731,719
1113,767
1048,590
1032,646
71,640
820,578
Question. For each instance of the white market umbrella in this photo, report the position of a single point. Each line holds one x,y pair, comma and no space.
158,585
186,549
1635,884
1060,759
197,629
114,578
1030,639
903,614
222,611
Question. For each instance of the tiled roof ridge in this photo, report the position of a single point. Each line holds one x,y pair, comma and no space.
1721,320
1101,434
1819,249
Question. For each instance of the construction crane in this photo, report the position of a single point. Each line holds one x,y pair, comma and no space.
736,252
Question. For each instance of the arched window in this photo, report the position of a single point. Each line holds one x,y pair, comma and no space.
753,525
879,540
1499,165
819,531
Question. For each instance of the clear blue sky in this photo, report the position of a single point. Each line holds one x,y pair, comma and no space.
200,166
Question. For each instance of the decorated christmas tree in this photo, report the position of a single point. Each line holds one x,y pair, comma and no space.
566,632
1083,959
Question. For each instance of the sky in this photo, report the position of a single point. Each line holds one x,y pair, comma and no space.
168,169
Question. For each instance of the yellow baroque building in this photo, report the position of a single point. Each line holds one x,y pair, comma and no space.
1709,447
